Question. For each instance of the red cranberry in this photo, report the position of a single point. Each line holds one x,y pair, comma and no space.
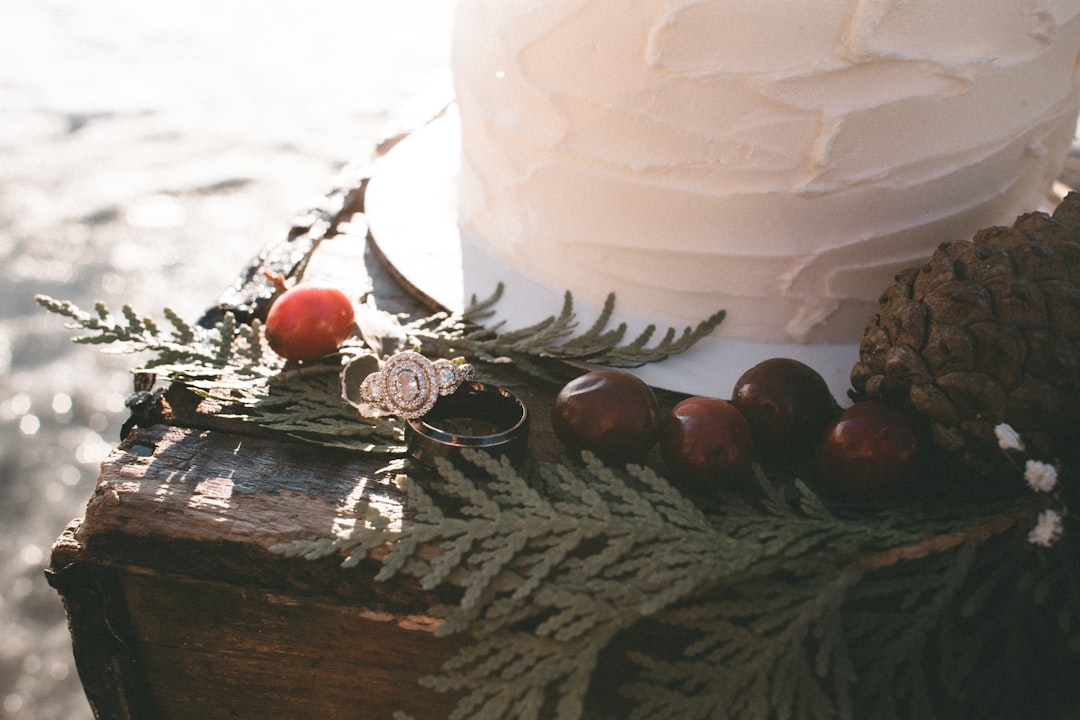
788,404
706,442
307,322
609,412
872,447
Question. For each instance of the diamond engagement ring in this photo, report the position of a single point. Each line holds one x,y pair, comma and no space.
409,384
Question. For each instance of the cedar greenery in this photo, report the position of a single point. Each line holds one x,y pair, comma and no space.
230,363
232,350
551,338
768,606
772,603
228,344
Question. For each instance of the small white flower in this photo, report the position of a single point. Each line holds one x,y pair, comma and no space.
1047,531
1008,439
1042,477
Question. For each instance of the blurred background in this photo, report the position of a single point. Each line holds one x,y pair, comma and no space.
147,151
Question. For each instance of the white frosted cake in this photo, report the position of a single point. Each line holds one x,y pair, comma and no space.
778,160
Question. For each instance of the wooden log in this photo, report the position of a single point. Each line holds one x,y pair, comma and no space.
180,609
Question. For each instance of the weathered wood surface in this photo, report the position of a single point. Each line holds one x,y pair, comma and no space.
199,486
179,608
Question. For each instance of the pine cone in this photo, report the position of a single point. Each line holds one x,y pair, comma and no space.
986,332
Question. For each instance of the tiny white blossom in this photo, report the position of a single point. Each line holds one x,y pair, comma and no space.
1047,531
1008,439
1042,477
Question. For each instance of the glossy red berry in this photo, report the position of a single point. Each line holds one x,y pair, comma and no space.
788,404
609,412
871,448
706,442
307,322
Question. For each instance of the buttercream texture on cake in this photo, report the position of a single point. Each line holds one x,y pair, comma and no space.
779,160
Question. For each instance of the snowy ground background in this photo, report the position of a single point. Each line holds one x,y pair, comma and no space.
147,151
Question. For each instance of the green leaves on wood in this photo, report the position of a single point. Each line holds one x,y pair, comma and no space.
547,578
231,362
769,605
555,337
226,345
772,607
231,365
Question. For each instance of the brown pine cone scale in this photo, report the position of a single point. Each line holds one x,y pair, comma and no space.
986,331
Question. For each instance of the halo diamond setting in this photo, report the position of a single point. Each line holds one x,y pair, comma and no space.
409,384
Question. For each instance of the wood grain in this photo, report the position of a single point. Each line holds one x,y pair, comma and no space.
175,548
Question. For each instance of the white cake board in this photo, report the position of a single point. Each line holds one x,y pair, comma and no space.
411,207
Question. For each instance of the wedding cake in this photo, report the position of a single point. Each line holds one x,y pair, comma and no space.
780,161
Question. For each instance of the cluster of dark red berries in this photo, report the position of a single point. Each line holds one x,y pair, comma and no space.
780,411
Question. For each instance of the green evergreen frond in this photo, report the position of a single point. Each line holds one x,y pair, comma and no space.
568,569
545,333
598,333
229,364
771,649
636,353
508,677
554,337
134,323
896,616
307,405
479,310
181,345
777,605
793,611
182,330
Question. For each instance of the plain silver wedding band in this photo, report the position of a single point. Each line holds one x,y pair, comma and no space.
478,416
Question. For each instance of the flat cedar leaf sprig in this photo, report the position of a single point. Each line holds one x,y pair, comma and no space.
547,579
555,337
232,353
764,608
231,364
193,350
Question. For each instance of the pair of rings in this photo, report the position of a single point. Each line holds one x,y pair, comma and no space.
446,409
